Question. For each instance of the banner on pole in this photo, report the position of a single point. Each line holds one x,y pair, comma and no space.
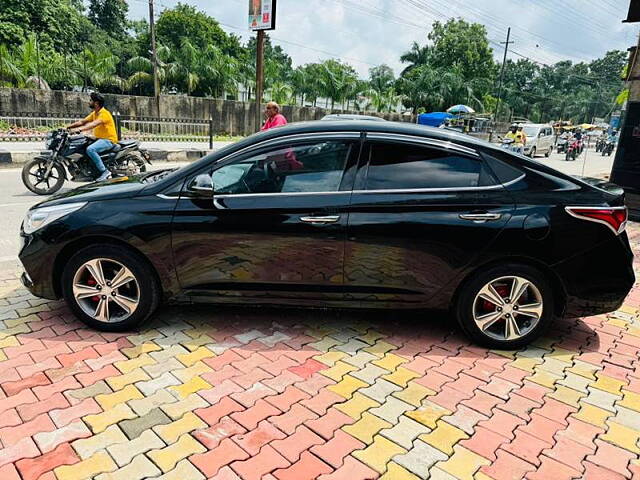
262,14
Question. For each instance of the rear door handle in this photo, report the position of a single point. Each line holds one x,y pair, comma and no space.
481,217
321,220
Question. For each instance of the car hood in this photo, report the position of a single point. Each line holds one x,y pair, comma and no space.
108,190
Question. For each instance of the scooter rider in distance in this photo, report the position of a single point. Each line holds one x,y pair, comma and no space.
104,129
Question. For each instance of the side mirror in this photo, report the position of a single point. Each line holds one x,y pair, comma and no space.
202,184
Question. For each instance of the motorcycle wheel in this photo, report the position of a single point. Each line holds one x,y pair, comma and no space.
33,176
567,157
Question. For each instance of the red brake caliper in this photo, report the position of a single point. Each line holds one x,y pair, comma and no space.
91,282
503,291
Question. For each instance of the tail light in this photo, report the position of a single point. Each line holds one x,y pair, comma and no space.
613,217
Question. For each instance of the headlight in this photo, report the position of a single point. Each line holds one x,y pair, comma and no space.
40,217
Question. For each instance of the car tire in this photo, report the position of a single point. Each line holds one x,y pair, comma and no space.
504,330
532,154
101,304
549,152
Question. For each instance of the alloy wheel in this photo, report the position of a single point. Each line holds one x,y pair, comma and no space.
106,290
508,308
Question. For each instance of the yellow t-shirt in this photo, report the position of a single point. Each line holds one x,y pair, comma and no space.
517,138
107,129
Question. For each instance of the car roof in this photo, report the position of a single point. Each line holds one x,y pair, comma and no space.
351,116
402,128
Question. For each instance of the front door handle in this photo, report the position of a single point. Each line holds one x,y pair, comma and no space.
481,217
320,220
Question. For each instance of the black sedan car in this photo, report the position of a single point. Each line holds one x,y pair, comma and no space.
367,214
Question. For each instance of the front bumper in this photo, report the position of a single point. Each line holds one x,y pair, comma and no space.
599,280
37,257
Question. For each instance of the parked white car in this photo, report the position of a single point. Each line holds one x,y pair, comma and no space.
540,139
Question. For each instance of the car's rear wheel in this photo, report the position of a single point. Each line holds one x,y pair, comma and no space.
110,289
533,152
505,307
549,152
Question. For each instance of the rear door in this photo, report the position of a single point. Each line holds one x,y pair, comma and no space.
421,212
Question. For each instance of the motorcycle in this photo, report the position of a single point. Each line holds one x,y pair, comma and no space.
68,159
607,149
600,144
573,150
561,146
508,144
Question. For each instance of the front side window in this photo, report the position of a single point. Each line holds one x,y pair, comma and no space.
396,166
314,167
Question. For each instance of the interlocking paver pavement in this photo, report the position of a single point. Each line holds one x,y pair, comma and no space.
211,392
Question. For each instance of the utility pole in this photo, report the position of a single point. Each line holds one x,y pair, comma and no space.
154,55
259,77
504,63
38,60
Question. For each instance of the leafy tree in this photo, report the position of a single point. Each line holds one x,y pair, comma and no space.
415,57
462,44
185,22
110,16
381,78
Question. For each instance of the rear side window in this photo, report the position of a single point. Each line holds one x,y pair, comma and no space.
503,171
397,166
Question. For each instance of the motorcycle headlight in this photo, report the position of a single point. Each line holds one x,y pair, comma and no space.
39,217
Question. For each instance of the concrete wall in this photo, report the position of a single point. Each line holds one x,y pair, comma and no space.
228,116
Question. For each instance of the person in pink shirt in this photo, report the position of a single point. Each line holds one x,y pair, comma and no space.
274,117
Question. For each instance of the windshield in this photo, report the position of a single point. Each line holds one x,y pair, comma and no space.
531,131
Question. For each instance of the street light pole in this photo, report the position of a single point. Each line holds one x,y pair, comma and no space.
154,54
259,77
504,63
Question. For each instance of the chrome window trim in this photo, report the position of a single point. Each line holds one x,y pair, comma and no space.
432,142
294,194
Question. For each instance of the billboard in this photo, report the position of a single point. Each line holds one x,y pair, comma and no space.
262,14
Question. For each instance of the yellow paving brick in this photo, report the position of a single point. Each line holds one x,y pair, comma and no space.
444,437
347,386
463,464
174,430
401,376
630,400
526,363
140,468
366,428
371,337
110,400
133,352
177,409
378,454
114,415
608,384
121,381
567,395
616,322
380,348
331,358
197,342
622,436
167,458
562,354
545,343
195,370
584,369
9,342
98,463
357,405
428,414
593,415
192,386
3,356
190,358
505,353
390,361
9,332
396,472
184,471
630,309
414,394
544,378
127,366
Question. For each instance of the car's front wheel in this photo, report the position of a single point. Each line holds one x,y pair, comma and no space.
110,289
505,307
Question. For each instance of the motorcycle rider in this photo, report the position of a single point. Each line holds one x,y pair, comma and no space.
104,129
516,136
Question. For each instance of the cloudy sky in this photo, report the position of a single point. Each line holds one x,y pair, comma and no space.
369,32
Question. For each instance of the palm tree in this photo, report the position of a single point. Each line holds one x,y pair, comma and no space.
10,72
97,68
281,92
415,57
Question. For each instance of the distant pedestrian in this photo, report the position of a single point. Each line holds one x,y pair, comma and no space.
274,117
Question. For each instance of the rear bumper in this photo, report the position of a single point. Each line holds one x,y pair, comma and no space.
599,280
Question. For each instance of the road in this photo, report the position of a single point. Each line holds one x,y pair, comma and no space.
15,199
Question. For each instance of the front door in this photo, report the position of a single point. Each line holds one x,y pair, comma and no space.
419,214
275,228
